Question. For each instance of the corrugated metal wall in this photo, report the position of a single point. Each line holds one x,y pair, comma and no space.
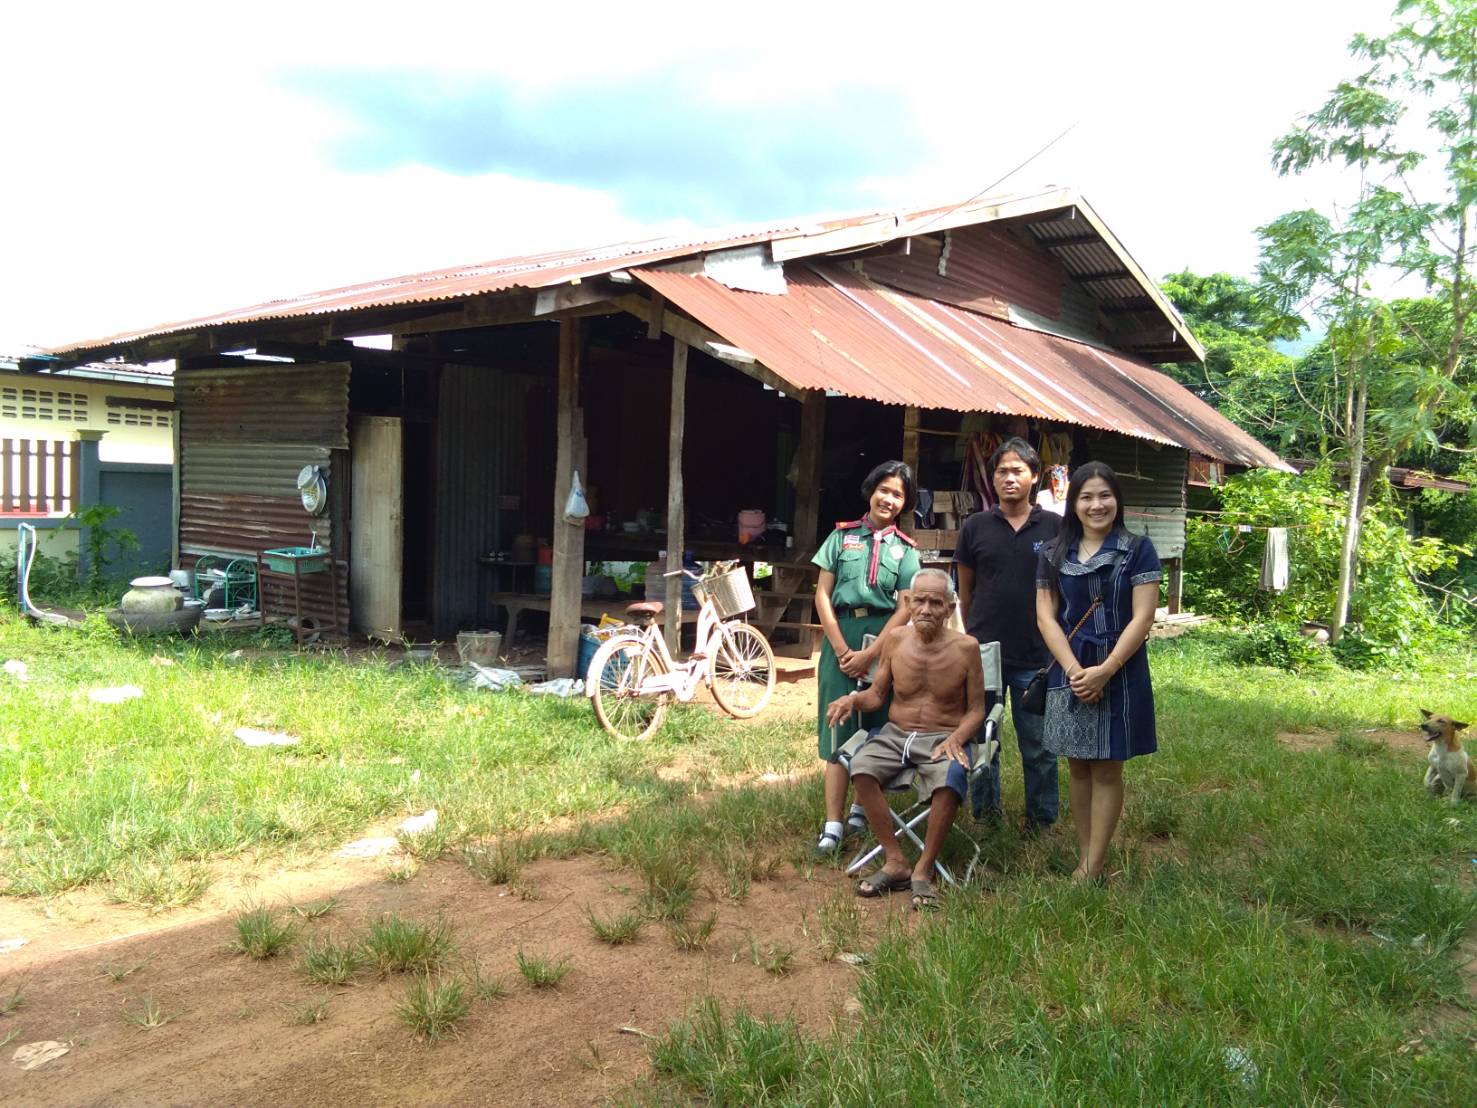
245,432
1153,487
480,458
980,268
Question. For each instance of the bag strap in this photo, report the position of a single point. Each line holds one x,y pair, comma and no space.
1096,600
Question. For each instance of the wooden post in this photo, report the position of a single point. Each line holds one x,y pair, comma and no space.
910,456
676,524
569,539
1176,584
808,470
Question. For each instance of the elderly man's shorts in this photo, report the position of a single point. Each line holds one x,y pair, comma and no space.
887,751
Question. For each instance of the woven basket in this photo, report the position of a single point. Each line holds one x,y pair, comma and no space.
730,592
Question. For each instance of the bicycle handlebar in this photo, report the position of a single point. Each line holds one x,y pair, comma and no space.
688,572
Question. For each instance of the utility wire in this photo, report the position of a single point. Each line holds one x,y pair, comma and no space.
998,181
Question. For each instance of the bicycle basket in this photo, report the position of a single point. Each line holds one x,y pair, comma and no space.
729,592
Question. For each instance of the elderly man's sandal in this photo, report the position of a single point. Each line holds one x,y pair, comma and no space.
925,895
881,883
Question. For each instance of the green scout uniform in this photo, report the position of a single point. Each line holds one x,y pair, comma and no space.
871,567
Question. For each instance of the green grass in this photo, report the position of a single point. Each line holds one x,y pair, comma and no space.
261,933
692,935
308,1013
325,962
395,945
87,789
149,1015
433,1006
542,971
158,886
616,930
1297,909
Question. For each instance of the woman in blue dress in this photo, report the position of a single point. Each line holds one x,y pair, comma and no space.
1099,701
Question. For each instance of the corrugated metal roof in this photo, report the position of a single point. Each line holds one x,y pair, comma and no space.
836,330
789,240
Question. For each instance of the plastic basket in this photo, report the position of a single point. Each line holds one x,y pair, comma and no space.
305,558
730,592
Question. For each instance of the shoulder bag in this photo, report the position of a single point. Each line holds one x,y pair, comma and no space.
1033,700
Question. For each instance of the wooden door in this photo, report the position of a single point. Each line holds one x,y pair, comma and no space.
377,529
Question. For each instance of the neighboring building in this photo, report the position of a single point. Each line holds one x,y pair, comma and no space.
798,356
112,422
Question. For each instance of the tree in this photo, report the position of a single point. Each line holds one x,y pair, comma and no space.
1397,221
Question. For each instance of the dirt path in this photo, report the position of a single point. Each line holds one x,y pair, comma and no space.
233,1039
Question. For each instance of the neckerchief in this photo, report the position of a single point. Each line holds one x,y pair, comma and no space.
877,537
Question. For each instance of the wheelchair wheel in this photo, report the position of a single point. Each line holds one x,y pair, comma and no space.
741,670
615,677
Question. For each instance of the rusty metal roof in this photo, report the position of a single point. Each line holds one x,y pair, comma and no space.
1066,214
834,329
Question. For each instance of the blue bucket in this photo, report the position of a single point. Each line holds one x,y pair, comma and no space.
586,655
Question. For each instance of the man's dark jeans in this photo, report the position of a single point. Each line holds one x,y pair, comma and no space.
1038,764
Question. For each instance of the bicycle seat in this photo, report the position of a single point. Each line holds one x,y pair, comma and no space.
645,608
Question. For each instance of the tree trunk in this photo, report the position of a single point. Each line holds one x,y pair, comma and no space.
1349,553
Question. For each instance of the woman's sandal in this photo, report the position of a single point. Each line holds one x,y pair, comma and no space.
881,883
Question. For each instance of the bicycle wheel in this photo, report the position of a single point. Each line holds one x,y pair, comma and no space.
741,670
617,670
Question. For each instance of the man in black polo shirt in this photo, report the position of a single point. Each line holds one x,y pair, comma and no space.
996,564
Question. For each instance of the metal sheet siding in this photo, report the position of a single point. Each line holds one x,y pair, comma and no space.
980,268
480,456
1153,488
245,432
1050,216
834,329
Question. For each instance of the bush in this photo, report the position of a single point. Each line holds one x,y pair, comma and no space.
1390,612
1281,646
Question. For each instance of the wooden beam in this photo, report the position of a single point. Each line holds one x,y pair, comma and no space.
569,539
695,334
1176,584
658,310
676,522
576,294
910,457
1069,240
808,472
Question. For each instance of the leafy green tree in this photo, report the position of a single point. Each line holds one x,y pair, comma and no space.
1397,220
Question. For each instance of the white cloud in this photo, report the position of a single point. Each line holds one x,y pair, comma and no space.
160,169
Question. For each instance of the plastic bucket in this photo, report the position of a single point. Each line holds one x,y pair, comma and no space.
586,655
481,647
751,524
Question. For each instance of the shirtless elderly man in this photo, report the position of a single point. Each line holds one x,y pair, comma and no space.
938,705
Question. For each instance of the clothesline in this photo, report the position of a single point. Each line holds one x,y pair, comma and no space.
1247,526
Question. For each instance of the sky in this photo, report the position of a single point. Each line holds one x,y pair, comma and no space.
171,160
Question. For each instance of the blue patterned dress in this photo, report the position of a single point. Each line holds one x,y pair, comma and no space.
1120,725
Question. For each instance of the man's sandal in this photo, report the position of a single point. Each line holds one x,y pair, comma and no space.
925,895
881,883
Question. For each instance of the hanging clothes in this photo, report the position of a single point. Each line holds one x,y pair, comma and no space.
1274,560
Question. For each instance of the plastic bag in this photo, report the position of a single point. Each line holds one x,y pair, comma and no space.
576,508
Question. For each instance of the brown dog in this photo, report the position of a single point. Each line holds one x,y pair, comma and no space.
1451,770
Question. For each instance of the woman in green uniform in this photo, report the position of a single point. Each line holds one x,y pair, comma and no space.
866,567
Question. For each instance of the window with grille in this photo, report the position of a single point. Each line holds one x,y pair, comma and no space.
42,404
